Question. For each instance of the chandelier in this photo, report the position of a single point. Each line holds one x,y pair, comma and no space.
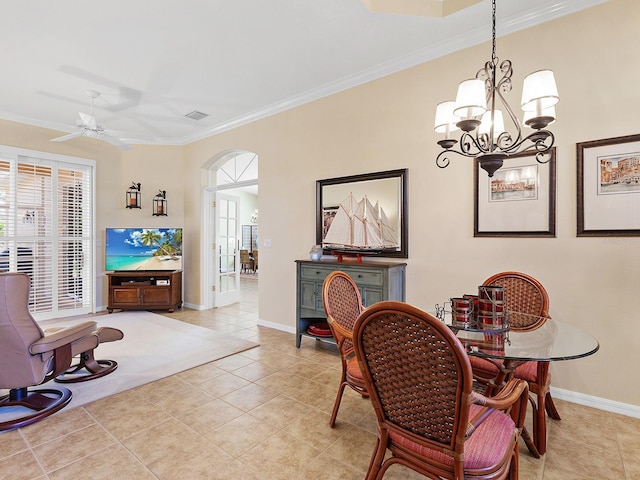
478,113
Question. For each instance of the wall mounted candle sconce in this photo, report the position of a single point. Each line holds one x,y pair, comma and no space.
133,196
160,204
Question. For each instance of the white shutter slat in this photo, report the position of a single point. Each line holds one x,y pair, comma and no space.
46,231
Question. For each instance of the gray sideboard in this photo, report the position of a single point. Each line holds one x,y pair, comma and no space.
377,281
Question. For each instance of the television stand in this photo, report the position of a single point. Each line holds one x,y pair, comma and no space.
145,290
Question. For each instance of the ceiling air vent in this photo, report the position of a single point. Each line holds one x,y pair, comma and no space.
196,115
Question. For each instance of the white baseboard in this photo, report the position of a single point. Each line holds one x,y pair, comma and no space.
194,306
276,326
596,402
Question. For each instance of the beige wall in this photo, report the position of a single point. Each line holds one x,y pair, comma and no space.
153,166
387,124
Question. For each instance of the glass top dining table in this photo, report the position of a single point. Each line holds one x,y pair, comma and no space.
549,341
552,341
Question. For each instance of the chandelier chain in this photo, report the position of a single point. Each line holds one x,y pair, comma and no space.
493,33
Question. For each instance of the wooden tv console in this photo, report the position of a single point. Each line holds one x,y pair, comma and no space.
145,290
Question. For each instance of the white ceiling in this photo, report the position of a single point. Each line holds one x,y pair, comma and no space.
154,61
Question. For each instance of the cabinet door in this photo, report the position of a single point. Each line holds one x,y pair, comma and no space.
371,296
308,295
156,296
126,296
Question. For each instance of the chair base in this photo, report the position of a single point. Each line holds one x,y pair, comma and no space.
36,400
95,369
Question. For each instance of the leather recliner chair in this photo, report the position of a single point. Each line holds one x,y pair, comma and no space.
30,357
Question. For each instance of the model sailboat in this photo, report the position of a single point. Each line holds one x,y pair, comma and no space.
358,225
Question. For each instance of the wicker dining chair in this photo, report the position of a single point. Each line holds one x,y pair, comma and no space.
246,262
429,417
528,303
342,305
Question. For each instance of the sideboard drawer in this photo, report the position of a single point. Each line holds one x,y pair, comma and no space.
313,272
367,277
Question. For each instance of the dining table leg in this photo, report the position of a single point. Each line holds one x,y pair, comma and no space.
506,371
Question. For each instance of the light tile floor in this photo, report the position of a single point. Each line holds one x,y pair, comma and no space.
266,416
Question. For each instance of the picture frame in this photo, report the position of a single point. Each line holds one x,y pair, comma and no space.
519,200
608,187
388,187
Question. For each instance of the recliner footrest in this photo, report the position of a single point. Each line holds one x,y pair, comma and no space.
87,362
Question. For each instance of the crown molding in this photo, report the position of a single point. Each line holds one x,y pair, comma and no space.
540,12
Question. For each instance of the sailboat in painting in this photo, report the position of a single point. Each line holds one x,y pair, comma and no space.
359,225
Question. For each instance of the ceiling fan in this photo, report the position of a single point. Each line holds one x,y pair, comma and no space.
88,127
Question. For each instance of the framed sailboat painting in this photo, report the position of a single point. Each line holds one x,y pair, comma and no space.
363,214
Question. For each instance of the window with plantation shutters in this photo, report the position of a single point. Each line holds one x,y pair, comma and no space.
46,229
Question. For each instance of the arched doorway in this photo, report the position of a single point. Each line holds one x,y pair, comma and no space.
230,201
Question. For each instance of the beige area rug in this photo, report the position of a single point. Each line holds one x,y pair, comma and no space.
153,347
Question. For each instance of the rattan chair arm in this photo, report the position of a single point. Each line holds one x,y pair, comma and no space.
506,398
512,399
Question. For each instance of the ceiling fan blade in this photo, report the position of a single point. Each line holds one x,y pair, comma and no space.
115,141
67,137
88,121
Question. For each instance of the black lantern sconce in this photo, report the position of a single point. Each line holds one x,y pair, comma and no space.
133,196
160,204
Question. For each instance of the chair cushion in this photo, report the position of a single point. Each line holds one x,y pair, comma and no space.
353,369
488,446
527,371
483,365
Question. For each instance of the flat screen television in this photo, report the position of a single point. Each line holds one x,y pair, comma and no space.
143,249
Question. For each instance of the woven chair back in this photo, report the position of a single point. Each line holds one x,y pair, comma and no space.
419,371
342,304
526,299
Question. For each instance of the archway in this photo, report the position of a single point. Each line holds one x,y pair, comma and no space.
230,201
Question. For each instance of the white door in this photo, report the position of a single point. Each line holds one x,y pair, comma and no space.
227,287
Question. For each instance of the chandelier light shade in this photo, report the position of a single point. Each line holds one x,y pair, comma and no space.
490,130
539,91
491,120
471,99
445,119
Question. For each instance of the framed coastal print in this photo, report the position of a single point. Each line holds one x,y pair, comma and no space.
518,201
608,174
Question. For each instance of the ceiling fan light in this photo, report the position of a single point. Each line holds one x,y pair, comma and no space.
445,119
471,99
539,91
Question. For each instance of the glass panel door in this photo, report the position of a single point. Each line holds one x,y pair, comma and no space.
228,278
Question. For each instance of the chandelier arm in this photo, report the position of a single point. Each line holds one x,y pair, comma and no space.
472,146
442,160
541,142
